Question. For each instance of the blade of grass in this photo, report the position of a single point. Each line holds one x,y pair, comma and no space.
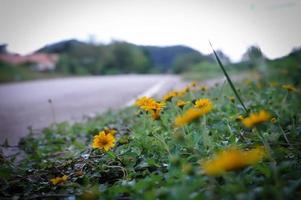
228,79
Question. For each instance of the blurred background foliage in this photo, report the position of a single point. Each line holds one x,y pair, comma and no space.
77,58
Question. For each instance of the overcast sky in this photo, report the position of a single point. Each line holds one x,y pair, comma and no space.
231,25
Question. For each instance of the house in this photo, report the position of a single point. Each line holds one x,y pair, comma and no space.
42,61
37,61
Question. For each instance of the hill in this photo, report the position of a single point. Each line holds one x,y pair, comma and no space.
165,57
61,47
161,58
288,65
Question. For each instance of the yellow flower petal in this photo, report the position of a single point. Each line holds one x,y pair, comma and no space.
232,159
58,180
256,118
103,141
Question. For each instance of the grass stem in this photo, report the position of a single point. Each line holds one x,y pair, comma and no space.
228,79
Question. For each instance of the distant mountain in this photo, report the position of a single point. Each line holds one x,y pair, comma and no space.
222,56
61,47
289,66
293,56
164,57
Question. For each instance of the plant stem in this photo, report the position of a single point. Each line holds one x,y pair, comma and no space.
206,138
265,143
284,135
164,144
273,161
228,79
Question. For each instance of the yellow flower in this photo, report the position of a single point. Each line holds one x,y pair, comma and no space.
232,99
274,83
203,88
168,96
156,110
190,115
183,91
193,84
182,103
110,131
232,159
202,107
155,114
103,141
239,118
205,105
256,118
259,85
289,88
273,120
187,168
145,103
150,105
158,106
58,180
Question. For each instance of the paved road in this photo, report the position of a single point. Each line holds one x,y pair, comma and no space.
27,104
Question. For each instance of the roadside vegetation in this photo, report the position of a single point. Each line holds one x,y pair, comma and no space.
206,70
11,73
77,58
193,143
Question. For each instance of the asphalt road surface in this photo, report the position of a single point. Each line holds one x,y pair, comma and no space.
37,104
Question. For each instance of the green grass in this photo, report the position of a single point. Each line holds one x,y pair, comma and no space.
155,160
204,71
10,73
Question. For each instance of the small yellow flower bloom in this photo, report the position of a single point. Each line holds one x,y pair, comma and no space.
232,159
182,103
155,114
189,116
232,99
289,87
239,118
156,110
158,106
203,88
205,105
110,131
148,104
168,96
274,83
103,141
193,84
145,103
256,118
273,120
259,85
58,180
187,169
183,92
202,107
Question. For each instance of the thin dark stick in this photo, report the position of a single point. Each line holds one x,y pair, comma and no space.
228,79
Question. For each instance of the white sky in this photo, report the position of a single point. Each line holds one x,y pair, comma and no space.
231,25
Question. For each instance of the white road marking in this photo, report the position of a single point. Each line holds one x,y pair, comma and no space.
148,93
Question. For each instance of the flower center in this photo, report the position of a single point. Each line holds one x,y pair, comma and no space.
104,142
